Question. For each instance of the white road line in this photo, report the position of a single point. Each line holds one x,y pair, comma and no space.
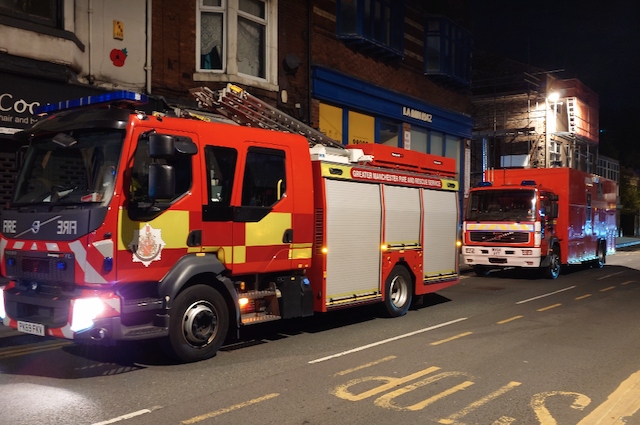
395,338
127,416
545,295
609,275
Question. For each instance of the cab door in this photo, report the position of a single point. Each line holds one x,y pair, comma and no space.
262,220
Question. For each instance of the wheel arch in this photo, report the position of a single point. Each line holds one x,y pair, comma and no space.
191,270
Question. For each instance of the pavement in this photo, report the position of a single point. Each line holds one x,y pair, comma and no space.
621,242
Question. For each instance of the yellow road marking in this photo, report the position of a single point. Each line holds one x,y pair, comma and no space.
502,322
607,289
386,401
580,401
442,341
549,307
621,404
479,403
504,420
33,349
628,281
209,415
342,391
364,366
582,297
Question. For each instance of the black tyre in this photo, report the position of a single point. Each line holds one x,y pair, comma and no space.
553,269
198,324
481,270
398,290
602,256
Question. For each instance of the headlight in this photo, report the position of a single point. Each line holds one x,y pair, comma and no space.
3,312
85,310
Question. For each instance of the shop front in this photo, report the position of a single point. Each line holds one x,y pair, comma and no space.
20,95
353,111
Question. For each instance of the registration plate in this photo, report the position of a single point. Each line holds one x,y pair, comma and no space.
31,328
496,251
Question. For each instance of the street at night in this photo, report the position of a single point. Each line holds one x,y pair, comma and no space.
502,349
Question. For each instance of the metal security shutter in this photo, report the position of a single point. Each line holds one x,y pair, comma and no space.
402,215
440,233
353,214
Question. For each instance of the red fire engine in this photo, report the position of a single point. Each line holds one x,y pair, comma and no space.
129,225
539,218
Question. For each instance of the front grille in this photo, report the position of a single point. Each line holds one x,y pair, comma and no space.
35,265
500,237
40,267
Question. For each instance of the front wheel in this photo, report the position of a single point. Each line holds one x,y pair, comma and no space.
553,269
198,324
398,292
481,270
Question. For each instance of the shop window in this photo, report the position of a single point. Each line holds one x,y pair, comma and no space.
233,36
452,150
436,143
418,140
447,50
331,121
374,26
43,12
389,133
361,128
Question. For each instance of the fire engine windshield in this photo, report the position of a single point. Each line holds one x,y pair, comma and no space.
72,168
502,205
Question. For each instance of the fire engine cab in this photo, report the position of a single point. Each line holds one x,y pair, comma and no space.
130,224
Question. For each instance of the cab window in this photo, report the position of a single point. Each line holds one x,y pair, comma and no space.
264,180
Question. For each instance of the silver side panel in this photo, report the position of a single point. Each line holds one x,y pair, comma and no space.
402,215
440,233
353,238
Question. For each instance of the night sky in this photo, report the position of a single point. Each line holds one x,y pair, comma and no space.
595,42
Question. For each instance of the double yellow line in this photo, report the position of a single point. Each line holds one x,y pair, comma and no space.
32,349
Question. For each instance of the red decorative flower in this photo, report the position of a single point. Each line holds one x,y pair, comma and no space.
118,56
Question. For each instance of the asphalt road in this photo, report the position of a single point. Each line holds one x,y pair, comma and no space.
505,349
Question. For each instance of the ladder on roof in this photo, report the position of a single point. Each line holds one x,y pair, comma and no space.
243,108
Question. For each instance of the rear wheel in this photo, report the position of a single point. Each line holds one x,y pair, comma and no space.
602,256
198,324
553,269
398,292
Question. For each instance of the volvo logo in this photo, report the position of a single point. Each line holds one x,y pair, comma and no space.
35,226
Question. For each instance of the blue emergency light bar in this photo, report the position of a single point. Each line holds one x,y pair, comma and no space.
106,98
528,183
485,184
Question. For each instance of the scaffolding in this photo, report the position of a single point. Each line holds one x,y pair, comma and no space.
517,124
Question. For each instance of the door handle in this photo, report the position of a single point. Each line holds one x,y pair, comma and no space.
288,236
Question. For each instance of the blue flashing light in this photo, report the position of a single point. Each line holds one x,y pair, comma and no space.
108,264
11,261
106,98
528,183
485,184
61,265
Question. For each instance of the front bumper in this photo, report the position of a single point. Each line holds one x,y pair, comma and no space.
492,256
